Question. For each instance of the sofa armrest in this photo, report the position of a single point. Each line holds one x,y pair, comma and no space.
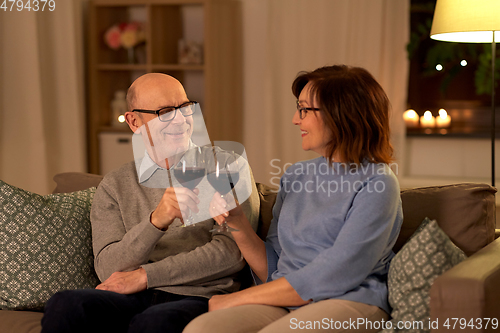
470,290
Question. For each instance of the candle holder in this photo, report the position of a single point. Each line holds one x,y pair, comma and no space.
443,120
427,120
411,118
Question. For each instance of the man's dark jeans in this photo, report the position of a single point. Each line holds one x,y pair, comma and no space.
91,310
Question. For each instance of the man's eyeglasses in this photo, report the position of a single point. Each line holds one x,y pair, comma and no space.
169,112
303,111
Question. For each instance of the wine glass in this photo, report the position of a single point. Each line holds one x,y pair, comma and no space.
189,173
223,174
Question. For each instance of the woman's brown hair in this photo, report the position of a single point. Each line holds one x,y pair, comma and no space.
356,110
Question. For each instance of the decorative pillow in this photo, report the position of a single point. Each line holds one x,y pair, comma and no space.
45,246
427,254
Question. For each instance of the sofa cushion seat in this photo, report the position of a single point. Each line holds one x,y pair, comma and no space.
465,212
20,321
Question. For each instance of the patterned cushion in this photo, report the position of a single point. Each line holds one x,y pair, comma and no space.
427,254
45,246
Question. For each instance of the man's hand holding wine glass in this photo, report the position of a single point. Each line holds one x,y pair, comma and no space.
173,203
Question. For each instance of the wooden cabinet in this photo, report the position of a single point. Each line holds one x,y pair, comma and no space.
215,82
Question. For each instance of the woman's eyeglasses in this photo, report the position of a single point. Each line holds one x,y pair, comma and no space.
303,111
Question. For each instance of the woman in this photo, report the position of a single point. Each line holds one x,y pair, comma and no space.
335,220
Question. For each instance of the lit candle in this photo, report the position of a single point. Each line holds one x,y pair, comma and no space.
411,118
427,120
443,120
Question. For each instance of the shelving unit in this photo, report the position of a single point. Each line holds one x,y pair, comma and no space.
216,83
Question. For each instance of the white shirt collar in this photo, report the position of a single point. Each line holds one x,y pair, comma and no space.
148,167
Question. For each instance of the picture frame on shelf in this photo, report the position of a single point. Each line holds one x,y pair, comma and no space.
190,52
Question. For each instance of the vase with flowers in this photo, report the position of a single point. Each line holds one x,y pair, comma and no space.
125,35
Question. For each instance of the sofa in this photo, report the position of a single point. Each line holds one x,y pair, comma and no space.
460,216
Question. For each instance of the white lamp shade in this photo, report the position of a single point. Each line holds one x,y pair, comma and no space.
466,21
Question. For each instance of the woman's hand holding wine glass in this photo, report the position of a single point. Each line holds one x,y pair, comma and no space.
223,174
219,210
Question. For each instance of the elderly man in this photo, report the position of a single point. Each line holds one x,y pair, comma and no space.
156,275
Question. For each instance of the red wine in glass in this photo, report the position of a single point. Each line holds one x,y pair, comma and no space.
189,177
224,181
190,172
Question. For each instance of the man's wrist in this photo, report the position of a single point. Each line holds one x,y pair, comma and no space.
155,225
145,274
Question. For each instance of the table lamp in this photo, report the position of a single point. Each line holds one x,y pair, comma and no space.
471,21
